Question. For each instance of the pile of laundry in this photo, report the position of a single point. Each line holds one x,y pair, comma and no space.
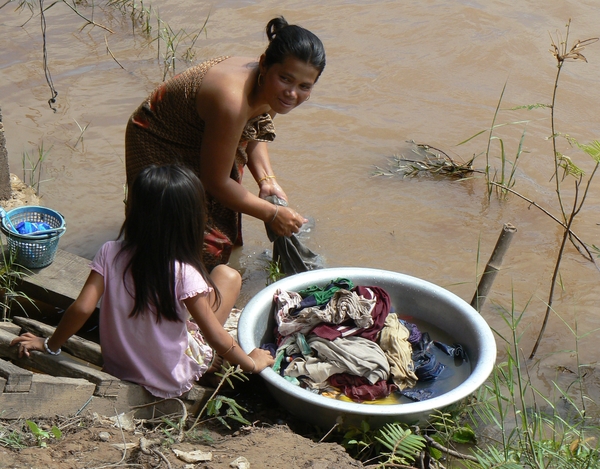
346,340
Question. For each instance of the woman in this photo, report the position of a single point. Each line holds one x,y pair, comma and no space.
216,118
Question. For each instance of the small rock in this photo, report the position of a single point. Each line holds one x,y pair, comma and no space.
193,456
125,421
104,436
240,463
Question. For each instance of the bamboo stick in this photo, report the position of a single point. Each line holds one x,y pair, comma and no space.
493,266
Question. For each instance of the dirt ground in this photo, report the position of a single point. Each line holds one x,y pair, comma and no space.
274,440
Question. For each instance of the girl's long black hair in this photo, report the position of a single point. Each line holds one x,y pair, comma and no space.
164,223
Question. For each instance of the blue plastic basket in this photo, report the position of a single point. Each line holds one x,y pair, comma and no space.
33,251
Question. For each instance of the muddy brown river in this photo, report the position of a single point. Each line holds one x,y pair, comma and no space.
429,71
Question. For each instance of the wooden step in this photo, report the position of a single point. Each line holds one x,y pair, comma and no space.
16,379
59,365
58,284
83,349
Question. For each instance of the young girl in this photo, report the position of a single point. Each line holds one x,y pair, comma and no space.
151,280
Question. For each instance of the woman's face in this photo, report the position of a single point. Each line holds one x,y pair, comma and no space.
289,84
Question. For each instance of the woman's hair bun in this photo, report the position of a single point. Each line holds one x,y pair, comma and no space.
275,25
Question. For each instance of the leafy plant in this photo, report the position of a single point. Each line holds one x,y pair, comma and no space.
10,438
216,402
203,436
171,41
42,435
562,53
360,441
274,272
10,278
169,429
139,14
233,410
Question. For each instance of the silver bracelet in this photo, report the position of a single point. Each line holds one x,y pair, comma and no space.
48,348
275,216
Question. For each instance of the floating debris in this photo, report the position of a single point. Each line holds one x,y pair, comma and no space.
426,159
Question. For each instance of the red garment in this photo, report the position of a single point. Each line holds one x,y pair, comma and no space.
359,389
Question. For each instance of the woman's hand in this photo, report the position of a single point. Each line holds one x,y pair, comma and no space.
286,221
270,187
28,342
262,358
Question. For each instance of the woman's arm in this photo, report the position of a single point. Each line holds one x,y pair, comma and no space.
287,221
220,340
222,132
74,318
223,128
259,165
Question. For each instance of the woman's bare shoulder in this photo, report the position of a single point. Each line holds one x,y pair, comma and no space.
225,87
232,70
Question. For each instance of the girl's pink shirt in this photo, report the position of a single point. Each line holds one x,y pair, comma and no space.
138,349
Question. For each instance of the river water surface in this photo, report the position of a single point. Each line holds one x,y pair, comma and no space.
428,71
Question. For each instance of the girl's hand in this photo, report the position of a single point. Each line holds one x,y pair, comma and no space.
28,342
287,221
270,187
262,358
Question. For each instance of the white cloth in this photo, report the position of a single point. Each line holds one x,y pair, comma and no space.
343,305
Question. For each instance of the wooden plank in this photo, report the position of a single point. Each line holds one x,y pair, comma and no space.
17,379
60,365
83,349
58,284
10,327
131,396
49,396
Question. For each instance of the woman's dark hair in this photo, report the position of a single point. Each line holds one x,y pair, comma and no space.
287,40
164,223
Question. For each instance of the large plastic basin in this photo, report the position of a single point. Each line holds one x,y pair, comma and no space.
409,295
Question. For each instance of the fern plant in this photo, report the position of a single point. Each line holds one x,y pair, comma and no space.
403,444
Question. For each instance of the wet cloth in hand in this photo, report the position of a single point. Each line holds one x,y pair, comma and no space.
293,256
